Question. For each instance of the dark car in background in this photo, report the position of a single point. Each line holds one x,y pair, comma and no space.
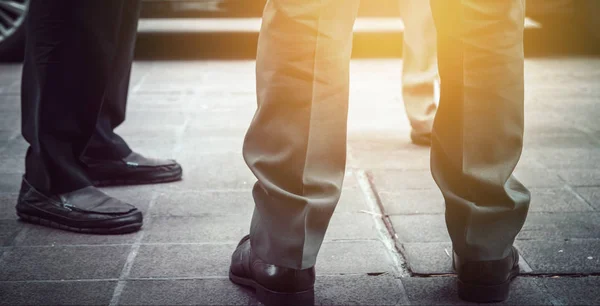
564,17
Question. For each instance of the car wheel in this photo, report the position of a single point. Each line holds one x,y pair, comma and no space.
12,32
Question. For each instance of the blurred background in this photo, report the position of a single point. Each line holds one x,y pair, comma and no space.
229,28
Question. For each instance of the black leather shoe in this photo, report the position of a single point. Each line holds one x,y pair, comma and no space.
87,210
486,281
134,169
273,285
421,139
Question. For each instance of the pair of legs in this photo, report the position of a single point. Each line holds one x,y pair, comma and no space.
420,71
74,94
75,86
296,144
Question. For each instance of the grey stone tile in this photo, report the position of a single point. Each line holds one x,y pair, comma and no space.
216,171
442,291
10,182
351,226
428,258
11,163
564,158
209,143
560,226
57,293
419,201
357,290
7,206
556,200
432,291
198,204
573,256
591,195
352,200
420,228
573,290
200,229
9,229
557,137
538,178
182,260
353,257
63,263
398,180
371,157
37,235
184,292
581,177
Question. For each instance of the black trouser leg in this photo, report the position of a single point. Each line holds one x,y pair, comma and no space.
69,59
105,143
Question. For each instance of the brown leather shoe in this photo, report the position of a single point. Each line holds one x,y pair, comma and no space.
273,285
486,281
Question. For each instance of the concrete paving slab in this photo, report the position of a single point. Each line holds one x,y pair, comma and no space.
428,258
560,226
202,203
409,202
358,290
210,228
57,293
351,226
63,263
442,291
184,292
182,260
577,256
398,180
8,231
37,235
10,182
353,257
7,206
557,200
539,178
573,290
420,228
591,195
579,177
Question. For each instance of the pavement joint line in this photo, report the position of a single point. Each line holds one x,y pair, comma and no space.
403,300
578,196
91,280
126,271
547,292
386,236
20,236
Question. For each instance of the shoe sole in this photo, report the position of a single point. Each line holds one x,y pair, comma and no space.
273,298
124,229
176,176
486,294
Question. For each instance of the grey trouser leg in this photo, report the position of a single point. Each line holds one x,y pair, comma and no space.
419,72
296,143
478,130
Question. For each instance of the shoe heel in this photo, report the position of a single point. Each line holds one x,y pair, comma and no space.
271,298
483,294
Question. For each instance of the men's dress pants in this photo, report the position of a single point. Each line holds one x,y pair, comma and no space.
74,88
419,71
296,144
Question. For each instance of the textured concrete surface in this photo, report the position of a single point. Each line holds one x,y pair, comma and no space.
190,111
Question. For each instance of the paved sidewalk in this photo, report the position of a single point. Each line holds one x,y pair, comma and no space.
387,243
